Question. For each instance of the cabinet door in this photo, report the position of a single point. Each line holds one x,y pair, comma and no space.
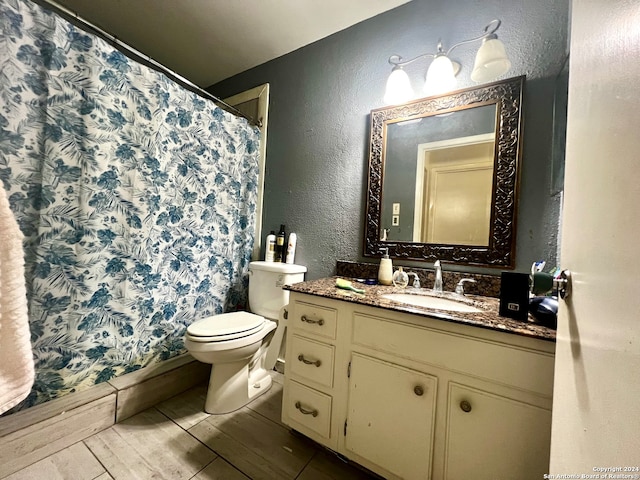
390,419
495,438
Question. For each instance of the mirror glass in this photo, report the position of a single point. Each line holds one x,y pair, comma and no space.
443,177
438,177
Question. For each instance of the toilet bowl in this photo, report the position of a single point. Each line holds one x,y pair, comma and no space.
242,347
234,343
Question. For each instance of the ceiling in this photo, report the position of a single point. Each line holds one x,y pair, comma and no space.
206,41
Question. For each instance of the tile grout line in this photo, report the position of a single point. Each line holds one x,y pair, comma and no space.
142,457
106,470
194,437
315,452
204,444
267,418
227,460
203,468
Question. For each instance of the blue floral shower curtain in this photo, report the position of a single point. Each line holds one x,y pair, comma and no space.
136,198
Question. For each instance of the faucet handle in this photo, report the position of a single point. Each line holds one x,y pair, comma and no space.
460,285
416,279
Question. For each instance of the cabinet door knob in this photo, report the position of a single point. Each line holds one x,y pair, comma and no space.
418,390
309,320
317,363
465,406
304,411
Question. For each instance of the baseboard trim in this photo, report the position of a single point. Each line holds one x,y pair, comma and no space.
145,388
33,434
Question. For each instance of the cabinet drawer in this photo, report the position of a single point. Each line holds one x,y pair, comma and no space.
309,408
315,319
311,360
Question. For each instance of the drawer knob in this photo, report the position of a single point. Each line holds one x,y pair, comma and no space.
418,390
465,406
304,411
319,322
317,363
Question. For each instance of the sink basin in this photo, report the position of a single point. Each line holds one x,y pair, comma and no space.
431,302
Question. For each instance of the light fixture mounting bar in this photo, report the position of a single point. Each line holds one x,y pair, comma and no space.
486,35
398,61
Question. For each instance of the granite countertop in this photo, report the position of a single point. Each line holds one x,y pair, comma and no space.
488,318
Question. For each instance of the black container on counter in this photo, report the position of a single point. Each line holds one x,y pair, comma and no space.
514,295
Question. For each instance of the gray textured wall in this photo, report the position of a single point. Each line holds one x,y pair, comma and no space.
321,96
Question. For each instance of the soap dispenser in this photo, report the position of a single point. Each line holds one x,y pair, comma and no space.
385,271
400,278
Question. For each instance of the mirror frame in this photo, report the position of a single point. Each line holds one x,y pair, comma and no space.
500,252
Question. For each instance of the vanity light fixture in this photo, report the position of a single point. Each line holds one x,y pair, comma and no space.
491,62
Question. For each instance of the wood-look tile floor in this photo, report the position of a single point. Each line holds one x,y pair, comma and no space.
177,440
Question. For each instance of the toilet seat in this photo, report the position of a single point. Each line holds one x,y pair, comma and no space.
225,327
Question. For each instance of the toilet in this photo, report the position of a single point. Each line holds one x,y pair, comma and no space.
241,346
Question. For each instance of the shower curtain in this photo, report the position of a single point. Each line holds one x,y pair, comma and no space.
136,198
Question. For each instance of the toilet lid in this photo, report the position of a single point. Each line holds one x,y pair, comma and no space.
227,326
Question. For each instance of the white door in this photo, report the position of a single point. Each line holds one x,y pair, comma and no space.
596,407
459,204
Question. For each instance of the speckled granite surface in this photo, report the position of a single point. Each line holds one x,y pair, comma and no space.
488,318
486,285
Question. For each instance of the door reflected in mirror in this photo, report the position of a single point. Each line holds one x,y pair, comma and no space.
443,177
438,178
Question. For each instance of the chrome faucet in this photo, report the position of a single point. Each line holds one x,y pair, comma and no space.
460,285
416,279
437,284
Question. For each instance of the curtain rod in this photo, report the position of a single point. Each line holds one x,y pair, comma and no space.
145,59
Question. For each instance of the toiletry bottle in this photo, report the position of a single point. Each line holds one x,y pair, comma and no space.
270,248
280,247
385,271
291,248
400,278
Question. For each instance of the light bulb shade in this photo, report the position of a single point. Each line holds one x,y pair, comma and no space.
398,88
491,61
440,76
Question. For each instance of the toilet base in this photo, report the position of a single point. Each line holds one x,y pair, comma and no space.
232,386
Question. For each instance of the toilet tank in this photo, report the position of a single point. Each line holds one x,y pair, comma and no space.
266,296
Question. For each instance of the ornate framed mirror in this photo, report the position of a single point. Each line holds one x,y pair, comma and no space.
444,175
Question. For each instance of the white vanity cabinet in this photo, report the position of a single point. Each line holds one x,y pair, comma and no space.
412,397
